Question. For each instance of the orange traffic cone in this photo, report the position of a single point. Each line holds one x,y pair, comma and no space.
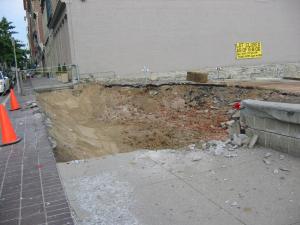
14,104
8,133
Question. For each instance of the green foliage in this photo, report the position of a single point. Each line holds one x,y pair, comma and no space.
6,46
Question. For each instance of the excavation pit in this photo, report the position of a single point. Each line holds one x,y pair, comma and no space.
93,120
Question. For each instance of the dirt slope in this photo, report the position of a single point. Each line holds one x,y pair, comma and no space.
92,120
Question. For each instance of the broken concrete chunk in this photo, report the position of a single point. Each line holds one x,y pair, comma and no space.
231,111
230,122
77,161
276,171
154,77
48,122
234,204
266,161
213,107
253,141
284,169
218,151
38,115
236,115
237,140
52,142
227,141
223,125
199,145
193,103
192,147
230,155
36,110
196,158
245,139
281,157
31,104
267,155
240,139
153,92
234,129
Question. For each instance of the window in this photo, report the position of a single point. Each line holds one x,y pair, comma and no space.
49,9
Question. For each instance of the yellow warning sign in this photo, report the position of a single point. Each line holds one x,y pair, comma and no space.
248,50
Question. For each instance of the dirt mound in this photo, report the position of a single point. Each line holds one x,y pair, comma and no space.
93,120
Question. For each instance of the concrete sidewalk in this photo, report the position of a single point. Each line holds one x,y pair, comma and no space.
48,84
192,187
30,188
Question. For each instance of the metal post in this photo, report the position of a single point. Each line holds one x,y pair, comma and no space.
16,66
218,72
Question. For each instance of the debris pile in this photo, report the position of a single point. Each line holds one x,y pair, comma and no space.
93,120
30,105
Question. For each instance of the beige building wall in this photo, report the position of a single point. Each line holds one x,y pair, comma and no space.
54,4
176,35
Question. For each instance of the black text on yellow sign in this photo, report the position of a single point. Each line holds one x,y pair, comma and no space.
248,50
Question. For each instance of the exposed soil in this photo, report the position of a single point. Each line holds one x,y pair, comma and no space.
93,120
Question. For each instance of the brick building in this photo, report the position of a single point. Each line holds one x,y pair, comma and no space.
35,29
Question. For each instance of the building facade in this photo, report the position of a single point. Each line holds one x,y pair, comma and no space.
35,29
124,36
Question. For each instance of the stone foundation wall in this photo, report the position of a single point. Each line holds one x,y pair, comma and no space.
265,71
289,70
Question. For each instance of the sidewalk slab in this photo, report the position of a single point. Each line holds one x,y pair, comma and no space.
170,187
30,187
44,84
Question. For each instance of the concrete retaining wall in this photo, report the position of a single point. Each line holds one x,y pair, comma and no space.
276,124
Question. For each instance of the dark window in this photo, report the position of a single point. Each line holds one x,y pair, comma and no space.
49,9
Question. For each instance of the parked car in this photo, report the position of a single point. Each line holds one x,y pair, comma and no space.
4,83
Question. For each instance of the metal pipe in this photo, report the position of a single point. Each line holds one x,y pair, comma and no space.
16,66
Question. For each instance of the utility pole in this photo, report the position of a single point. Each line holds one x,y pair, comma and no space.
16,65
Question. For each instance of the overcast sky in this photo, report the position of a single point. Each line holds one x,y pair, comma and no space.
14,11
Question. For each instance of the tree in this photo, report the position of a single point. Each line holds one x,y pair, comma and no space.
6,47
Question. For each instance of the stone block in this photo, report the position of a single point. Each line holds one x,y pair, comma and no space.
197,76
